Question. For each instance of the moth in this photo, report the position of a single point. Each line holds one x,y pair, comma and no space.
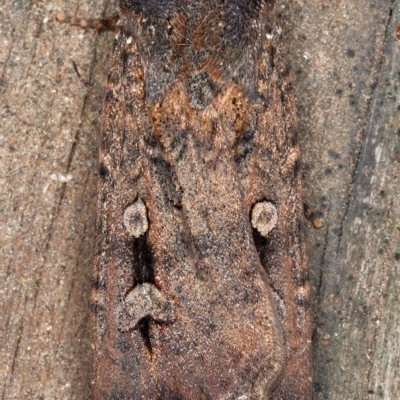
200,280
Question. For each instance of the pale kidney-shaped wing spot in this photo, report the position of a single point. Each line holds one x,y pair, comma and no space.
264,217
135,218
146,300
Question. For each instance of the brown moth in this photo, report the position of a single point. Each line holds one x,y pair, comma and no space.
200,287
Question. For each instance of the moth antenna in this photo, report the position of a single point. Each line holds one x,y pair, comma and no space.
91,23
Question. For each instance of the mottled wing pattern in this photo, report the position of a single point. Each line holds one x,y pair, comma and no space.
190,301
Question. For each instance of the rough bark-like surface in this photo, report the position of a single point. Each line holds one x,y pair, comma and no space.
49,135
344,58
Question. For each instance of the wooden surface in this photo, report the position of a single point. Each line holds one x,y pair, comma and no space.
345,66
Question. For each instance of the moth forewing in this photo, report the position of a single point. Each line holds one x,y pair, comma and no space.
200,276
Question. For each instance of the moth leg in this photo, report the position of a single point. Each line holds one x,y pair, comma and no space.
147,300
310,215
91,23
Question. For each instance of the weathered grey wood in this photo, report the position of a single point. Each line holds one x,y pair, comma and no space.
344,58
49,133
345,66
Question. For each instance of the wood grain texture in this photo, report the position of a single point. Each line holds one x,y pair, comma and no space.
347,98
48,182
339,53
